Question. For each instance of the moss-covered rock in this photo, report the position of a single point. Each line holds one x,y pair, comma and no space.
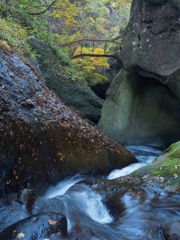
167,166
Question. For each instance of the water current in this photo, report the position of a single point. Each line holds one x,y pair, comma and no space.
142,214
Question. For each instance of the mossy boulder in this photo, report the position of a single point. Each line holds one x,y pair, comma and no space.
41,139
167,166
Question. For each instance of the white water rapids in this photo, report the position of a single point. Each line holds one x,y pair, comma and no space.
109,214
144,156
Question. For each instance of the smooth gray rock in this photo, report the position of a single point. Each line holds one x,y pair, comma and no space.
142,104
151,43
139,110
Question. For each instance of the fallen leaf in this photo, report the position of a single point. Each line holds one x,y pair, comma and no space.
175,175
52,222
36,119
20,235
129,190
146,176
163,180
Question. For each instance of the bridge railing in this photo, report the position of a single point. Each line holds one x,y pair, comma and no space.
82,42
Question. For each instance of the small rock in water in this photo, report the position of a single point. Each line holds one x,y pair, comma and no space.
37,227
27,197
171,230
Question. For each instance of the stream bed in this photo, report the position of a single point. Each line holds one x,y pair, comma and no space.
142,213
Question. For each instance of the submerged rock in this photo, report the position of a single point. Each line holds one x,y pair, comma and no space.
41,139
27,197
142,103
171,230
41,226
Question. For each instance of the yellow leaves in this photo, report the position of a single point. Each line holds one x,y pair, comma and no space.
52,222
8,182
20,235
36,119
175,175
89,68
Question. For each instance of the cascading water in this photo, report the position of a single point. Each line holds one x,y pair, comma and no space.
144,156
141,215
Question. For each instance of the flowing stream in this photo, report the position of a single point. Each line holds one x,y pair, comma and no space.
142,214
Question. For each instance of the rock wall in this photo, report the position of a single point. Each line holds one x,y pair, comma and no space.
142,103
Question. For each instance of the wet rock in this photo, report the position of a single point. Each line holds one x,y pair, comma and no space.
41,226
27,197
171,230
42,145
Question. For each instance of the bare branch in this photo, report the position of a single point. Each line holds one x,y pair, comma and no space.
30,13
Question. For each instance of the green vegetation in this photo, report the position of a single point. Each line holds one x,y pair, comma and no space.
24,24
167,166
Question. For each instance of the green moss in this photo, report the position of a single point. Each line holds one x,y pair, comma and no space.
166,166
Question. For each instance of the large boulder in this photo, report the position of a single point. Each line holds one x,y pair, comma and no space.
138,111
142,103
42,140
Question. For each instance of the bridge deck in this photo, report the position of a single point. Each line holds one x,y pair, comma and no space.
82,41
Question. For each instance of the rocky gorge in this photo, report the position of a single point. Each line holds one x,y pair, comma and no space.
43,141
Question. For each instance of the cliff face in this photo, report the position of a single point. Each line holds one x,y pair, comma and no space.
151,45
142,103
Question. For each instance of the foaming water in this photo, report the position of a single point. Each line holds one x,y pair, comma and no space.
144,212
62,187
144,156
132,215
81,198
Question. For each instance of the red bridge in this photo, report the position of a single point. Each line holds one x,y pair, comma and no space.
82,41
